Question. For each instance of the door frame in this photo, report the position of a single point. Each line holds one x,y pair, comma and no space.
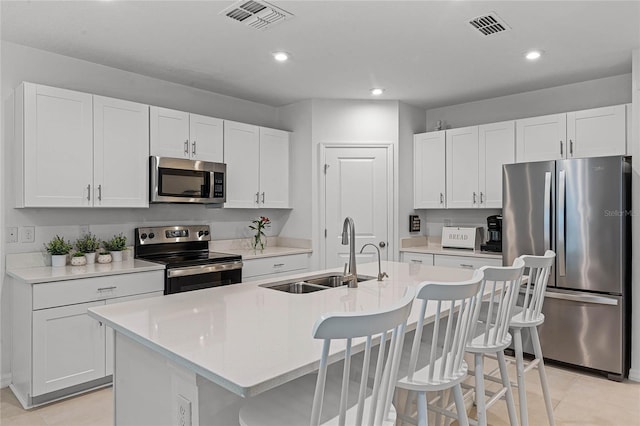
392,190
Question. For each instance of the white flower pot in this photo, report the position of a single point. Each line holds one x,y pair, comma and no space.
58,259
116,256
104,258
91,258
78,261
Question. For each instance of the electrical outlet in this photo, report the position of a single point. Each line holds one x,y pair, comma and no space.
12,234
27,234
84,229
447,222
184,411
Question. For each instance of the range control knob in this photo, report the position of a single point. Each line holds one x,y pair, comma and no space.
206,233
200,233
152,235
143,236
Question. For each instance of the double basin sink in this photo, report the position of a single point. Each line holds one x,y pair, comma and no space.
313,283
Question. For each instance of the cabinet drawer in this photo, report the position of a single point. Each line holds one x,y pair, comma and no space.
60,293
467,262
418,258
274,265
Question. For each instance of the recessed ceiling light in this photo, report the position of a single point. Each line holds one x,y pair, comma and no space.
281,56
533,55
377,91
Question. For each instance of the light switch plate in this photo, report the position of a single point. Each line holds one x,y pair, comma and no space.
12,234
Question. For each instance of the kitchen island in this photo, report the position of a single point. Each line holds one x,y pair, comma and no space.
198,354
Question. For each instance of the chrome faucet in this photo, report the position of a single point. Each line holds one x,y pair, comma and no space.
381,275
350,239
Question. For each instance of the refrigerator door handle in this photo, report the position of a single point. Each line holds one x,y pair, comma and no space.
562,259
585,298
547,211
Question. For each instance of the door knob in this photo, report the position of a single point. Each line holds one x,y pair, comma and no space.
382,244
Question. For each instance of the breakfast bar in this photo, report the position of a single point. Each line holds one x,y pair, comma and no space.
199,354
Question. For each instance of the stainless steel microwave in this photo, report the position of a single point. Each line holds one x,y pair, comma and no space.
176,180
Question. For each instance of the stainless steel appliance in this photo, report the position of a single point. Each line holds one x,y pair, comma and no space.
176,180
494,231
185,252
581,209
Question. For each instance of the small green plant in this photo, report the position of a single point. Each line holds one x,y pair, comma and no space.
117,243
78,254
58,246
88,243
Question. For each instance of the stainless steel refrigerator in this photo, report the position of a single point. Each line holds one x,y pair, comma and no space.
581,209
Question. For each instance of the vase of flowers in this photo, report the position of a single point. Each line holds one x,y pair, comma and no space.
88,244
58,248
259,239
116,246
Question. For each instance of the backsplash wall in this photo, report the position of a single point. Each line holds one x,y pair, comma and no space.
434,220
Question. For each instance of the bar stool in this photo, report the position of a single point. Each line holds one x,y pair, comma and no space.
437,363
304,401
530,316
500,289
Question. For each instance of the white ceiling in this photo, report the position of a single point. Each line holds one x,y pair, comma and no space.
422,52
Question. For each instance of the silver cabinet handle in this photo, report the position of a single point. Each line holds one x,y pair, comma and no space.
186,147
561,149
547,211
193,148
382,244
481,198
466,265
113,287
89,192
560,220
99,192
257,198
278,265
416,261
474,198
571,147
441,198
263,198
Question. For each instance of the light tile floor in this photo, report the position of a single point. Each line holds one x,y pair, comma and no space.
578,399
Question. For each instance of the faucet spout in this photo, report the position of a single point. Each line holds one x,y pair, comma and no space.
381,275
349,237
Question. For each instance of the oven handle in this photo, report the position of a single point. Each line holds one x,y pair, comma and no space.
203,269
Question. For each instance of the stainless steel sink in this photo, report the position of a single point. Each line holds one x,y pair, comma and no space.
313,283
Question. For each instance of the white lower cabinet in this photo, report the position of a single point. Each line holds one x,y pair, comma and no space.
58,349
467,262
417,258
271,267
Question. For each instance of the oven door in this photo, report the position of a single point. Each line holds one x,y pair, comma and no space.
198,277
175,180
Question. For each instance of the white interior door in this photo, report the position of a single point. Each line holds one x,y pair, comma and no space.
357,184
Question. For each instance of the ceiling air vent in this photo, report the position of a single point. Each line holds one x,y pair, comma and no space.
489,24
256,14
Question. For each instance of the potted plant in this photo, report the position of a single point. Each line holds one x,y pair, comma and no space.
58,248
116,246
259,239
88,244
78,259
104,257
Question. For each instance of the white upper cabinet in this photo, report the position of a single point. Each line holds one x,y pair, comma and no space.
179,134
429,176
257,166
462,167
121,151
597,132
594,132
496,148
54,131
541,138
274,168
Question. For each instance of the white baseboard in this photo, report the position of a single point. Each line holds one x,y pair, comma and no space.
5,380
634,375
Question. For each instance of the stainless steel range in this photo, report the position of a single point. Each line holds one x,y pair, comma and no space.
185,252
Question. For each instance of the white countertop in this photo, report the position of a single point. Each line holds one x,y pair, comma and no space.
42,274
248,338
248,254
276,246
453,252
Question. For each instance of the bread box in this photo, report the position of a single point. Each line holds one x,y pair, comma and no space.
462,237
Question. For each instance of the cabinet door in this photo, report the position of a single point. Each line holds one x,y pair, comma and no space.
274,168
109,359
429,170
58,147
68,347
121,153
242,155
462,168
206,135
597,132
541,138
497,146
169,130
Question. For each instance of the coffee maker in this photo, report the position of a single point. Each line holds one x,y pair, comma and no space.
494,226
